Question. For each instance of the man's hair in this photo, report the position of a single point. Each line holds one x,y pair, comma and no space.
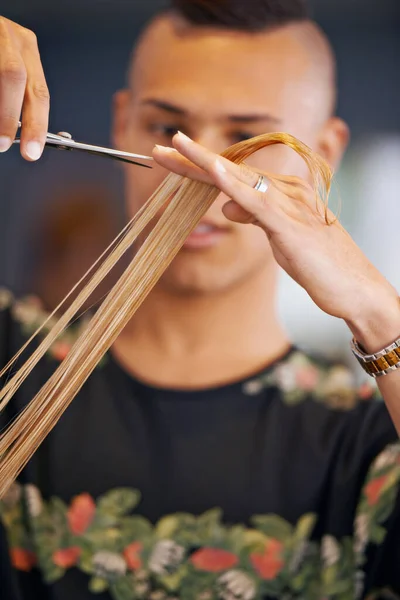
242,15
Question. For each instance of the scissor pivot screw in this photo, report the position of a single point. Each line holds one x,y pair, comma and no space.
65,134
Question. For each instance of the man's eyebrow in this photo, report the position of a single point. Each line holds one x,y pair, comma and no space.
178,110
253,118
167,106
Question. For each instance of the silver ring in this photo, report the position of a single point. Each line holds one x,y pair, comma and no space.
262,184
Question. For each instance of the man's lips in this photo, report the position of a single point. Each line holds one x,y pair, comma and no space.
205,235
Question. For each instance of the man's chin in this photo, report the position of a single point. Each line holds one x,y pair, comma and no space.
190,283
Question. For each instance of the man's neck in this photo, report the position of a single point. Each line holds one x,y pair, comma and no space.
199,341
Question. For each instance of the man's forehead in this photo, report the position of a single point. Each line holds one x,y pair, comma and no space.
174,58
167,39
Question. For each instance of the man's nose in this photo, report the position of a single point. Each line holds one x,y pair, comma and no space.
211,139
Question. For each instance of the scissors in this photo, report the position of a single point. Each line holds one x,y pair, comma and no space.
63,141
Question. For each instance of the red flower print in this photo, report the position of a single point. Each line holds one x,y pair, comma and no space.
81,513
21,559
132,555
268,564
67,557
307,378
374,488
60,350
213,560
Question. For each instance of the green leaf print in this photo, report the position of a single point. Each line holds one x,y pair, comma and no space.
304,527
97,585
118,502
124,589
377,534
273,526
52,572
134,528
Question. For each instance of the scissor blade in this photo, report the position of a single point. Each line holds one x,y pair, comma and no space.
130,161
117,154
65,143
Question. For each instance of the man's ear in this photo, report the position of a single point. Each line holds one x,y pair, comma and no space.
120,117
333,141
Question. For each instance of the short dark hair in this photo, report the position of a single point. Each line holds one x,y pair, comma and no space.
242,15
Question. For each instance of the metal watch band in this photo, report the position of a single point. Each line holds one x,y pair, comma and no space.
380,363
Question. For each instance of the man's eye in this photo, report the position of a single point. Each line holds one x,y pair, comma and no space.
166,131
241,136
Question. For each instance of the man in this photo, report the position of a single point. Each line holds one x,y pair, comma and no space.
202,403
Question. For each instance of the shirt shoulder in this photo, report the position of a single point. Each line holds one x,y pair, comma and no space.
300,377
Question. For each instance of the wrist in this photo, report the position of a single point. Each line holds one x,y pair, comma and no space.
378,324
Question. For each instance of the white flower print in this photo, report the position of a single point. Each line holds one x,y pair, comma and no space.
6,298
387,457
359,584
12,495
236,585
142,589
141,583
285,375
338,379
166,557
205,596
109,565
158,595
298,556
34,501
361,534
330,550
253,387
28,312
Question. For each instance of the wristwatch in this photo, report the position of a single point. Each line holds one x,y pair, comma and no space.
380,363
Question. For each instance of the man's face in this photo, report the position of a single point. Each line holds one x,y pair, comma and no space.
219,88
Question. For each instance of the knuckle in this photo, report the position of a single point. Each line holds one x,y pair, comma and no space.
302,194
246,173
9,122
302,184
264,200
4,24
8,126
13,71
40,91
36,128
29,36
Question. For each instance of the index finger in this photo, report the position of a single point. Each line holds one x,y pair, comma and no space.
171,159
36,104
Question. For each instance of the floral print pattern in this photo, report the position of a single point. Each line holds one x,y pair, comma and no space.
299,375
191,557
196,557
30,315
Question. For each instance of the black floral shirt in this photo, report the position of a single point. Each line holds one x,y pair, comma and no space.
283,485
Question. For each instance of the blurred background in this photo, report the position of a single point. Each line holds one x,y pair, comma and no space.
49,227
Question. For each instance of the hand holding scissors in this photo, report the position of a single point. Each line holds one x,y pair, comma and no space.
24,91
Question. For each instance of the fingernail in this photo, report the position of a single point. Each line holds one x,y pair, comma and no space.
219,166
5,143
33,150
184,137
165,148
